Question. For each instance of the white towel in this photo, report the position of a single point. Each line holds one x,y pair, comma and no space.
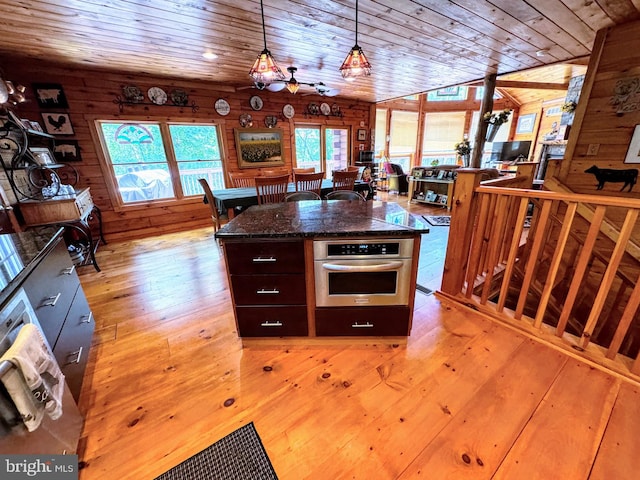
36,385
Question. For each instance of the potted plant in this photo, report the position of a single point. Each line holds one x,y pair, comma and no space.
495,120
463,149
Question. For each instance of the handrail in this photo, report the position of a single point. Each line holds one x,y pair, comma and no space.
520,275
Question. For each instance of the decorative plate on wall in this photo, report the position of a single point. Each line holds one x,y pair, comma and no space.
288,111
256,102
313,108
179,97
270,121
132,94
245,120
157,95
222,107
325,109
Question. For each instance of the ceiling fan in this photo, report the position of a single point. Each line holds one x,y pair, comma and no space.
293,85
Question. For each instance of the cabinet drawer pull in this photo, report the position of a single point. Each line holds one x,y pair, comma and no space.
264,260
362,325
86,318
277,323
52,300
262,291
77,353
69,271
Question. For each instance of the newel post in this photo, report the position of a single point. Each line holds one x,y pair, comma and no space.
460,231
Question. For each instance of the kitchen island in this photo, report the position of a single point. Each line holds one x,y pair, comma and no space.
323,269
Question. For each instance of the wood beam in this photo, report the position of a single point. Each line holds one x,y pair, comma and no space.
527,85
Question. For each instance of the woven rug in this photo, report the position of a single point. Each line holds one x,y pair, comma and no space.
438,221
238,456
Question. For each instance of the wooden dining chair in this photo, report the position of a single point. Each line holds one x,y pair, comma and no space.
297,171
211,201
311,182
274,172
344,180
272,189
345,195
243,179
302,195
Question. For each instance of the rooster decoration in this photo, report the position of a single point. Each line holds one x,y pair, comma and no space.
57,124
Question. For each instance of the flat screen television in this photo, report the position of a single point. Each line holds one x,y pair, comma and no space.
510,151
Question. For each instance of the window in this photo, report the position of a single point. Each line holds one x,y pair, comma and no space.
449,94
501,136
441,132
381,131
404,134
323,148
145,157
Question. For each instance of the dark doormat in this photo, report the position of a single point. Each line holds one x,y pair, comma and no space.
438,221
425,290
238,456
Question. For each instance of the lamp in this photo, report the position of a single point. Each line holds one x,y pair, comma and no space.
356,63
292,84
265,69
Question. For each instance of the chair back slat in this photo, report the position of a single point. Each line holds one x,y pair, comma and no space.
242,179
271,189
344,180
311,182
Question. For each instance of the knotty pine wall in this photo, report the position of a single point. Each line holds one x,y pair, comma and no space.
91,94
616,57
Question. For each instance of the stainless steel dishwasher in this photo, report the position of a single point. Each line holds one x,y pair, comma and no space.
52,436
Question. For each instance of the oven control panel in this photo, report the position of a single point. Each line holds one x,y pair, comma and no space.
351,249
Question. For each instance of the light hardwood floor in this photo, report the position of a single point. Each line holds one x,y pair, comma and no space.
464,398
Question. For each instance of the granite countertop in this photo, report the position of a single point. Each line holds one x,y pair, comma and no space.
20,253
332,218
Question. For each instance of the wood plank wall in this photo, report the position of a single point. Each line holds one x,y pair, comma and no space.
601,126
91,95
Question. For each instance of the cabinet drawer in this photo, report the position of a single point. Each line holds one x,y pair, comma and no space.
269,289
362,321
72,349
84,202
51,288
264,257
272,321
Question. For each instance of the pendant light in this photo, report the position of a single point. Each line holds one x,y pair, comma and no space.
356,64
265,69
292,84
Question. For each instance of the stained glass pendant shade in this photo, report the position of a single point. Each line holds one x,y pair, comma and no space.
356,63
265,69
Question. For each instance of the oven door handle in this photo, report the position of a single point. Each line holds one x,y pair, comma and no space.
374,267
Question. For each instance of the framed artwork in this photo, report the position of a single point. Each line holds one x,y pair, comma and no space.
633,153
42,156
362,135
259,148
50,95
57,123
526,123
67,151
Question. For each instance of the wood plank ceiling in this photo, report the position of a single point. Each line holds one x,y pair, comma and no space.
414,46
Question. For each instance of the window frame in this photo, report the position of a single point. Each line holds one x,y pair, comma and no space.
323,143
111,180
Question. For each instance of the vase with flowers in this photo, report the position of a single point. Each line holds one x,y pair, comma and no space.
495,120
463,149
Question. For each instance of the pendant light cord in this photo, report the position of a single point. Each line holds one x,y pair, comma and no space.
356,21
264,32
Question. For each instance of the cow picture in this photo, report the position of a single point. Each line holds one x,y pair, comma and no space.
627,177
50,95
67,151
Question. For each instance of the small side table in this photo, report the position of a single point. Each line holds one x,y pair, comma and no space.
74,212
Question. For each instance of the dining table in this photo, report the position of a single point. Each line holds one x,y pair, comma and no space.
230,199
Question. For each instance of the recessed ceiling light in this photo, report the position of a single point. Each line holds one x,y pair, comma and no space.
542,53
209,55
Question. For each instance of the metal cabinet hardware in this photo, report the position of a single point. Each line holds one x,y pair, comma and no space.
77,353
277,323
52,300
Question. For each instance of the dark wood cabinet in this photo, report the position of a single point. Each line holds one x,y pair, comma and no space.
61,307
363,321
269,287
